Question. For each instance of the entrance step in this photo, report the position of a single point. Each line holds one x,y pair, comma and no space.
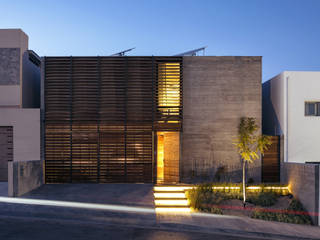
171,198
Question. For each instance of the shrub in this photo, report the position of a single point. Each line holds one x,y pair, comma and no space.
289,217
204,198
263,199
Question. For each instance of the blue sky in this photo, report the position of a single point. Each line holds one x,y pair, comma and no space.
285,32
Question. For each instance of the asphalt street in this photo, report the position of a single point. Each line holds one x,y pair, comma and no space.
17,228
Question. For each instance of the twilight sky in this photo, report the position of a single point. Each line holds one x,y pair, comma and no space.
285,32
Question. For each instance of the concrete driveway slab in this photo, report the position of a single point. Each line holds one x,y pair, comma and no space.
119,194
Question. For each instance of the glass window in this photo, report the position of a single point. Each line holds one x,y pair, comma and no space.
312,109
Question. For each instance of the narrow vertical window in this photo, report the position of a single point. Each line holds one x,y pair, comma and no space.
169,91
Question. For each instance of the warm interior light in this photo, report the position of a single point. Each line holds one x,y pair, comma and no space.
160,158
169,89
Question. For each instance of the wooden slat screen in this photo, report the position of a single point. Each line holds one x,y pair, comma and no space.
100,113
271,161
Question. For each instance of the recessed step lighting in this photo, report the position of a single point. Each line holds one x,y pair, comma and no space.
169,195
170,202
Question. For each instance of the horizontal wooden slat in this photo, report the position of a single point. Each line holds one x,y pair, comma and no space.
100,113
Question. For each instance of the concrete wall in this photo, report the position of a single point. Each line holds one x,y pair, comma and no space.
26,132
19,77
13,44
24,176
26,147
9,77
217,92
303,180
9,66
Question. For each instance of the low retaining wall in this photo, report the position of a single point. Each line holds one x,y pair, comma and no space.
24,176
303,181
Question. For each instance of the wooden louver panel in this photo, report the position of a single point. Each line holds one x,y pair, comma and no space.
271,161
99,116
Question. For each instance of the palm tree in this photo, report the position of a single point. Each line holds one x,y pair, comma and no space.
249,144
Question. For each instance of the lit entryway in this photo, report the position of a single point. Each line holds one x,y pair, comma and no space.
168,156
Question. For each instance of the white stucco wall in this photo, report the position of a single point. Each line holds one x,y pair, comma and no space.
289,92
26,132
303,131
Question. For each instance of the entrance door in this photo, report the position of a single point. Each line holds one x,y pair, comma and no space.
168,155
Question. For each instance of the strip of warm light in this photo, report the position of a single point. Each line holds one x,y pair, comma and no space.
225,188
171,202
270,187
170,189
253,188
169,195
282,188
109,207
173,210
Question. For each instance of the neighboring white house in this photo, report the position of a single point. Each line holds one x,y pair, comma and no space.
19,113
291,109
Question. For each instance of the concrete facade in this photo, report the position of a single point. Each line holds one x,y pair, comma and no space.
284,114
303,181
10,66
217,92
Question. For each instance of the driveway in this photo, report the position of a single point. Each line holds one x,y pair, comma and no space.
119,194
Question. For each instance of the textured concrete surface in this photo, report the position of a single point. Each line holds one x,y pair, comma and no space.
26,176
303,180
126,194
9,66
217,92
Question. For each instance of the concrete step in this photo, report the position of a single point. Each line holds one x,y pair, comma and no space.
170,198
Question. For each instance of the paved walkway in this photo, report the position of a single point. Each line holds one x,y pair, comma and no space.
98,208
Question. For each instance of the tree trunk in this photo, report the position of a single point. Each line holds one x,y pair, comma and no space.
244,180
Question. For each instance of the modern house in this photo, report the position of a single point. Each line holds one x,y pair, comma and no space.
19,107
137,119
147,119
